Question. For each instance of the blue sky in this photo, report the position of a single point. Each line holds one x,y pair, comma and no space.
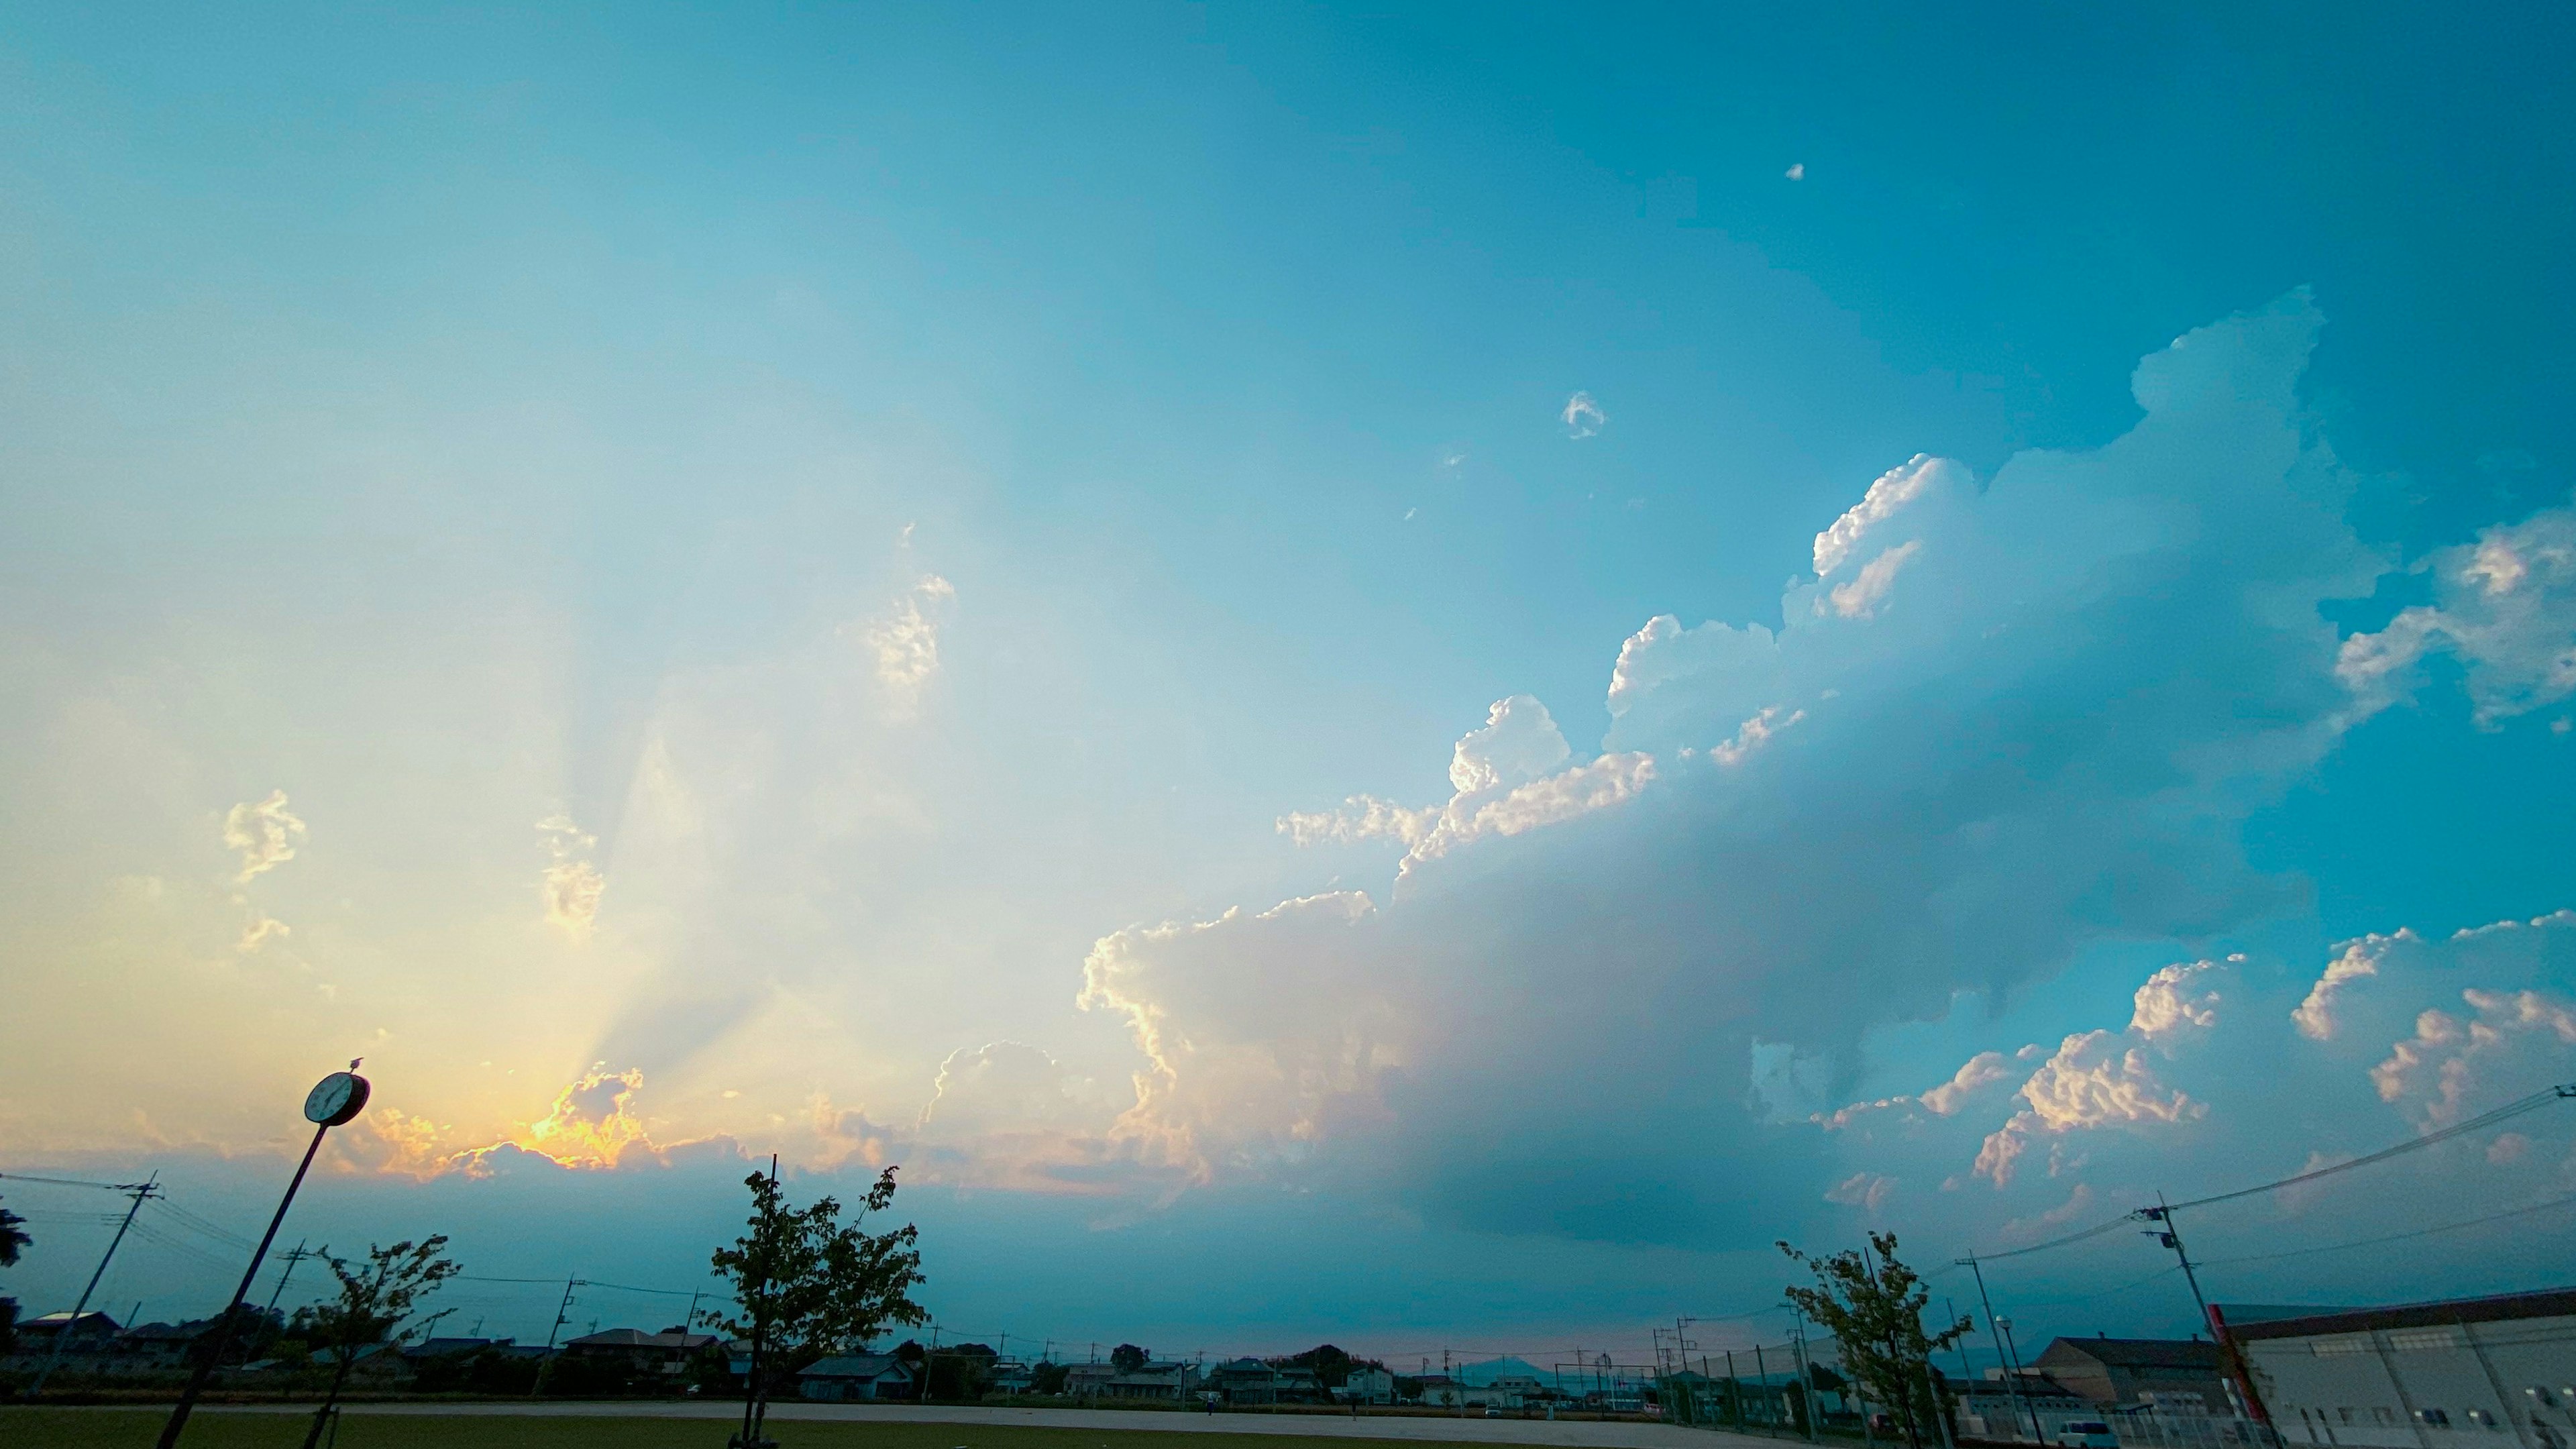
921,508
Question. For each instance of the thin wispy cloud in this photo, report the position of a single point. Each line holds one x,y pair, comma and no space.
906,642
570,885
1583,417
264,832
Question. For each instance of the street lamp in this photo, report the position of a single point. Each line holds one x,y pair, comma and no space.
2036,1433
335,1101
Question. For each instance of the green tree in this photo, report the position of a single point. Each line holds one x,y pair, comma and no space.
1127,1358
807,1285
375,1307
1874,1308
13,1241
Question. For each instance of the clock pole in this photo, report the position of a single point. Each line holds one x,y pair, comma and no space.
337,1099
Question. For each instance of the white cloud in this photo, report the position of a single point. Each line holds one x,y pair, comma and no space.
1861,596
2094,1079
2093,668
2357,958
265,833
1517,742
907,641
1753,734
569,886
1007,1087
2177,1002
2505,1037
2505,605
1360,817
1867,1191
1797,171
262,928
1978,1072
1500,773
1890,492
1583,417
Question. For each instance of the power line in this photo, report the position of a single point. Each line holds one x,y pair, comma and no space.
2537,1099
69,1182
2509,1110
2400,1237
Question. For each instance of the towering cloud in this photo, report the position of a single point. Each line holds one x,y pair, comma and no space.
2028,716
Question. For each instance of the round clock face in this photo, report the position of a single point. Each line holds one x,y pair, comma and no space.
336,1099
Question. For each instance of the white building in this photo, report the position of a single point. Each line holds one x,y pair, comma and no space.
1366,1386
2472,1371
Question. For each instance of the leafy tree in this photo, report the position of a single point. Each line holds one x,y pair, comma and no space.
1127,1358
1330,1365
375,1306
809,1286
1048,1378
13,1241
1874,1309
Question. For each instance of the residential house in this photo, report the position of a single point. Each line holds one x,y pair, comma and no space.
1169,1380
1507,1391
1244,1381
1089,1380
1366,1386
89,1335
2416,1375
1009,1377
2161,1375
667,1354
153,1348
1439,1391
2006,1407
856,1376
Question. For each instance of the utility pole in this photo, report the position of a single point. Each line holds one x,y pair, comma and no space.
291,1257
1994,1325
1967,1373
2037,1434
563,1315
1806,1372
141,1192
2171,1236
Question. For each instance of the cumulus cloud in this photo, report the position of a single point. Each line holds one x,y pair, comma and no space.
1358,818
265,833
1501,773
1583,417
2039,724
569,886
1978,1072
1867,1191
2177,1002
907,641
2093,1079
2504,606
593,1122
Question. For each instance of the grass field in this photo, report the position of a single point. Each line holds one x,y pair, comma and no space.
22,1428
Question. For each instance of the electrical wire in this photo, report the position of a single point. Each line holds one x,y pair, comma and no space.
2554,1202
2512,1109
201,1226
69,1182
2537,1099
